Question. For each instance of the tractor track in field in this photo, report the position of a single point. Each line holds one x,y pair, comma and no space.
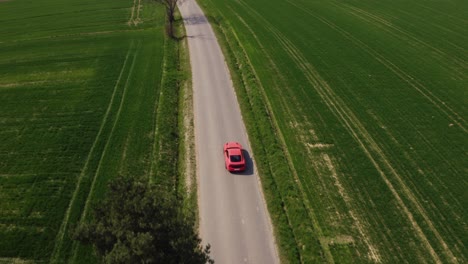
432,24
104,152
438,26
95,33
451,114
398,33
417,165
65,223
371,148
458,19
135,19
156,146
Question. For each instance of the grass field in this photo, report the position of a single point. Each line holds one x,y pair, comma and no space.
357,115
88,91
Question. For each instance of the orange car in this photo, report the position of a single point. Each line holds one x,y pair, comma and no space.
233,157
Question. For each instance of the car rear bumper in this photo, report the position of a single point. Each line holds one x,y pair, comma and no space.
236,169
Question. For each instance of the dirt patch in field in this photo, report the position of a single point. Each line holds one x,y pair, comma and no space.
319,145
339,240
16,84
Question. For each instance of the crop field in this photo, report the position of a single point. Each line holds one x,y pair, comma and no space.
357,113
81,85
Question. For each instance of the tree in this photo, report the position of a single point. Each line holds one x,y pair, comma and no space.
171,6
138,223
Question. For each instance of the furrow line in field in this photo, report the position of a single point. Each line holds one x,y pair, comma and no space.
390,28
445,14
451,114
357,130
71,35
413,82
33,174
435,25
65,222
436,151
427,19
104,152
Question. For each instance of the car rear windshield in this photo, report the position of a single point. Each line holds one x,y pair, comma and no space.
235,158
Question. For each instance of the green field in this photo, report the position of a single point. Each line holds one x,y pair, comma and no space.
87,92
356,110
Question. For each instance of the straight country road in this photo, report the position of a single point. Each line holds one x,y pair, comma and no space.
233,214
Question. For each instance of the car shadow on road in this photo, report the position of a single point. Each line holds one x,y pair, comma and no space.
195,20
249,165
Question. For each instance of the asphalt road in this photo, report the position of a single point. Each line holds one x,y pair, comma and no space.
233,215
